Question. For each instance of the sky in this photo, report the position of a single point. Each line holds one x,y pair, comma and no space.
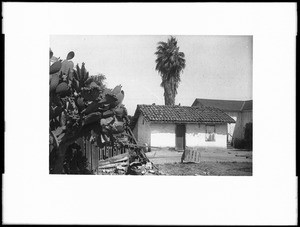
217,67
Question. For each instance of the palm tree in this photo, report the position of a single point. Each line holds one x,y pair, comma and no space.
169,63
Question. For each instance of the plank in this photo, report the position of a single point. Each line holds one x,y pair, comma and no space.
192,156
88,153
102,150
113,165
114,159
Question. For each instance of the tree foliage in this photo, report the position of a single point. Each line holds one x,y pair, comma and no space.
170,63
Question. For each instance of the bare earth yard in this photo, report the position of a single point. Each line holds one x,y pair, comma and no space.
214,162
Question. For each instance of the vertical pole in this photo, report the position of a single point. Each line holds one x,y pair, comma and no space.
84,144
91,150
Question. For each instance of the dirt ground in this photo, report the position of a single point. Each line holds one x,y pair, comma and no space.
207,168
214,161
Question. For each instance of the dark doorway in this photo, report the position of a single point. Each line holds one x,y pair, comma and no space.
180,137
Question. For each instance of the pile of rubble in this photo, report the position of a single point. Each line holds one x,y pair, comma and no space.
133,162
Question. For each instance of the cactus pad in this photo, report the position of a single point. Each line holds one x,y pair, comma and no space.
92,118
66,66
54,80
55,67
62,88
70,55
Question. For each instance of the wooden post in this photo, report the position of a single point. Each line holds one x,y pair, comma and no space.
102,151
98,153
91,150
84,147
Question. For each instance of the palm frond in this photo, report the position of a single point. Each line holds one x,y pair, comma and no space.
170,63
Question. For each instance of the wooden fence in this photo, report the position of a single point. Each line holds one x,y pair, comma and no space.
93,153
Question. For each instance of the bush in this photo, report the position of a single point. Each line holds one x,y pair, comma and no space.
248,135
245,143
239,143
75,162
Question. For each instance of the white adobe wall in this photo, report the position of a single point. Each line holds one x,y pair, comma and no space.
231,126
195,136
142,130
162,135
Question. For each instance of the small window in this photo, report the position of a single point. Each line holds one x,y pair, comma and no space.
210,133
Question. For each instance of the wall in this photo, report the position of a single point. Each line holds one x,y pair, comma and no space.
243,118
231,126
141,130
195,136
162,135
246,117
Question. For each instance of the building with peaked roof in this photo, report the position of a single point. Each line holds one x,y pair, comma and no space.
180,126
240,111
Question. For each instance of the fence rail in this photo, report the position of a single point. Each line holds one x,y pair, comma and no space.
94,154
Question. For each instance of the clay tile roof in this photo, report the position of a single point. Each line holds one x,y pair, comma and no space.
225,105
181,114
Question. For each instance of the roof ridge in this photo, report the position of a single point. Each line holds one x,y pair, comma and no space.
168,106
238,100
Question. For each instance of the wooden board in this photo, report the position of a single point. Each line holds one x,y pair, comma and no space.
192,156
115,159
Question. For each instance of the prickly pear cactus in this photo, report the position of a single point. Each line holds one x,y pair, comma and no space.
82,106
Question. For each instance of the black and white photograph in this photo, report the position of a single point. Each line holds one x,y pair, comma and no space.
149,113
140,105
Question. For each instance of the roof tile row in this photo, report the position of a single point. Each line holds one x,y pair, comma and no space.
182,114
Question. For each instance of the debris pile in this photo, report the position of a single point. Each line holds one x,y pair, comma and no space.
133,162
114,165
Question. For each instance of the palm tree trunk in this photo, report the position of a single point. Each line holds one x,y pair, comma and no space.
169,96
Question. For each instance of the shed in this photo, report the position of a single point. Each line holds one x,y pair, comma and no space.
180,126
239,110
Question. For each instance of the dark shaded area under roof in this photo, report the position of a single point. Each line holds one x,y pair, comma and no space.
248,105
225,105
181,114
